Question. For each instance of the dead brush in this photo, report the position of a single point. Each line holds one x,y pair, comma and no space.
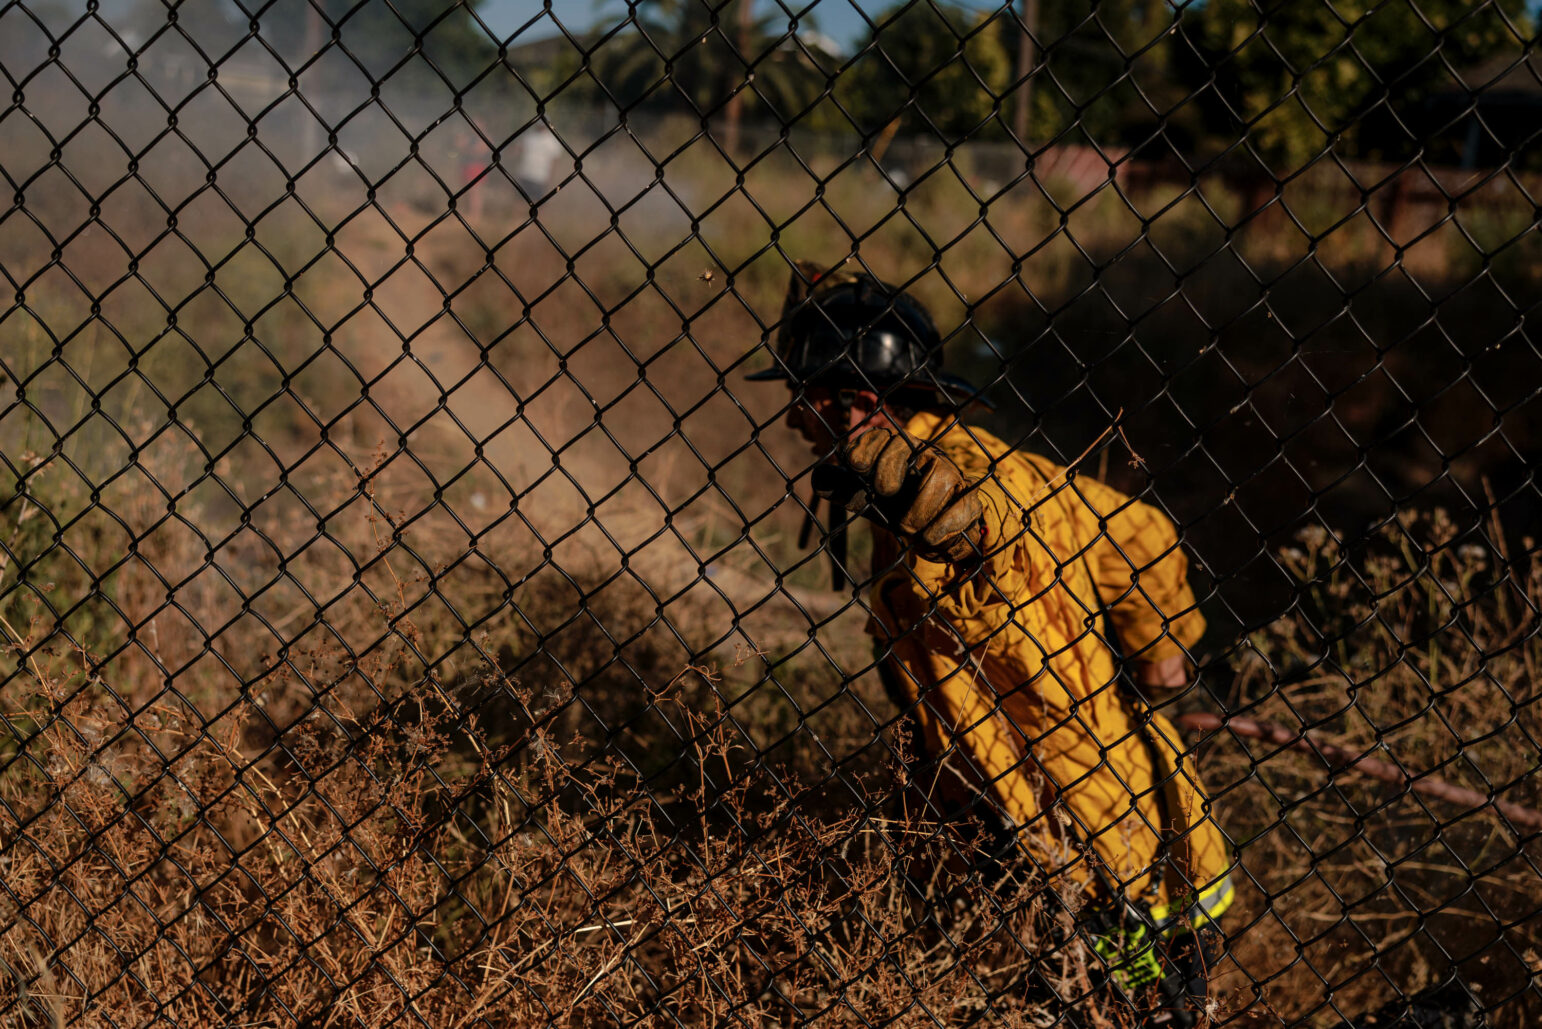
370,820
282,745
401,866
1420,648
322,796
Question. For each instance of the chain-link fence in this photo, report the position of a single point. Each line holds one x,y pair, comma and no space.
412,614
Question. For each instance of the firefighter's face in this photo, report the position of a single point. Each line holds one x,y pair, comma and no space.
819,417
826,418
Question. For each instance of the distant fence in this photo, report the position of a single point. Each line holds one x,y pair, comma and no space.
404,618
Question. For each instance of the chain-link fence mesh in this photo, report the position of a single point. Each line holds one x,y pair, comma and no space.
405,615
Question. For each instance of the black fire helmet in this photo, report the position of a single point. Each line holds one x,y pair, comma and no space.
848,330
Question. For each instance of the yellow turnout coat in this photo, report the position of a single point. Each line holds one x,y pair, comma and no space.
1008,666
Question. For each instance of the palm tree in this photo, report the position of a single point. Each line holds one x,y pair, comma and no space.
712,57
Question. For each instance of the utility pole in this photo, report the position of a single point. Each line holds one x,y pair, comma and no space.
315,33
735,110
1027,53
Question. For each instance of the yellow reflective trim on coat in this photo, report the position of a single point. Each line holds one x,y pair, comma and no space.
1007,666
1130,955
1211,904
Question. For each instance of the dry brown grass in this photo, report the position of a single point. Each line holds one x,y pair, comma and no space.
373,827
348,780
1420,648
390,699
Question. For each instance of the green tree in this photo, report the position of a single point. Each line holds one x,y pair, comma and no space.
1101,71
1300,78
1105,72
697,55
935,67
382,36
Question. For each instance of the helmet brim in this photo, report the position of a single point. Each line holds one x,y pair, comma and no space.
768,375
961,392
950,388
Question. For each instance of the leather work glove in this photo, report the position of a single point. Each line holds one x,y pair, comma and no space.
915,491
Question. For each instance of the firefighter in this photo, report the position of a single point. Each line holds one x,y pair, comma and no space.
1012,601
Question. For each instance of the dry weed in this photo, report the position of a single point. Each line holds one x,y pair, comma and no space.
1420,648
353,695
